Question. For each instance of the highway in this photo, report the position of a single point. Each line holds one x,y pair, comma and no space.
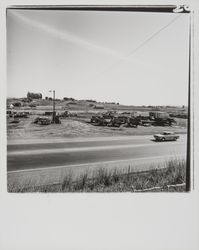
68,153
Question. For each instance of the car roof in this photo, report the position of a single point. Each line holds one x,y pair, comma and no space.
168,132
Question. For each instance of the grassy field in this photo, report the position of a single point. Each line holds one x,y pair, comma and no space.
169,179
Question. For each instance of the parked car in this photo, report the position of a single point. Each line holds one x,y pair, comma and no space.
21,115
166,136
42,121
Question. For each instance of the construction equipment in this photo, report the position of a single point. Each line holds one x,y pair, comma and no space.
164,122
133,122
111,119
57,120
100,121
117,121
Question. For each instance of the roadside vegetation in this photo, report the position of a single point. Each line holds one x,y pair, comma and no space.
169,179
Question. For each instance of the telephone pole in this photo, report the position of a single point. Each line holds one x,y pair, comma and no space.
54,113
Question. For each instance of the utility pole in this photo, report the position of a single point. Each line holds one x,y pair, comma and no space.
54,113
54,106
188,162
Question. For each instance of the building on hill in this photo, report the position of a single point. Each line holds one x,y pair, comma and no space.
34,95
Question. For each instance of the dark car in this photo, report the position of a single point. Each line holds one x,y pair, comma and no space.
42,121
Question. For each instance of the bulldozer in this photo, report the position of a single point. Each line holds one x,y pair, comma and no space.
99,121
117,121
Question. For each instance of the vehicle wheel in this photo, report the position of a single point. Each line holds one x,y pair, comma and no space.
163,139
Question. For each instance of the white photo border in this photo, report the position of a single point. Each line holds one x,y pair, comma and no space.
100,221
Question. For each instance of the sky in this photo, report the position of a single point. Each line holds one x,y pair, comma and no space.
133,58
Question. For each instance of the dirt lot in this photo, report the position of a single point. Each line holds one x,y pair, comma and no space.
79,127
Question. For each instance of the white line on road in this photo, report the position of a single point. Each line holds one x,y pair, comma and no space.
94,148
82,139
133,160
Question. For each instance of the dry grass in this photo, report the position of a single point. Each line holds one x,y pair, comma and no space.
115,180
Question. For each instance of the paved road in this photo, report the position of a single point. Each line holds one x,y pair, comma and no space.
23,157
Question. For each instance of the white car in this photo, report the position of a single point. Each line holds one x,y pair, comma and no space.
166,136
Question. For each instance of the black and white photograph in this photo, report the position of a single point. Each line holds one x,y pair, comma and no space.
99,125
98,99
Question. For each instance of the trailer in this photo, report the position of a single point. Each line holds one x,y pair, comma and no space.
158,114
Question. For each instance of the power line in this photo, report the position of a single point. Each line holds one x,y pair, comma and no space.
142,44
153,35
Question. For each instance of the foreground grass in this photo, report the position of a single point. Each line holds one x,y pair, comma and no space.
169,179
